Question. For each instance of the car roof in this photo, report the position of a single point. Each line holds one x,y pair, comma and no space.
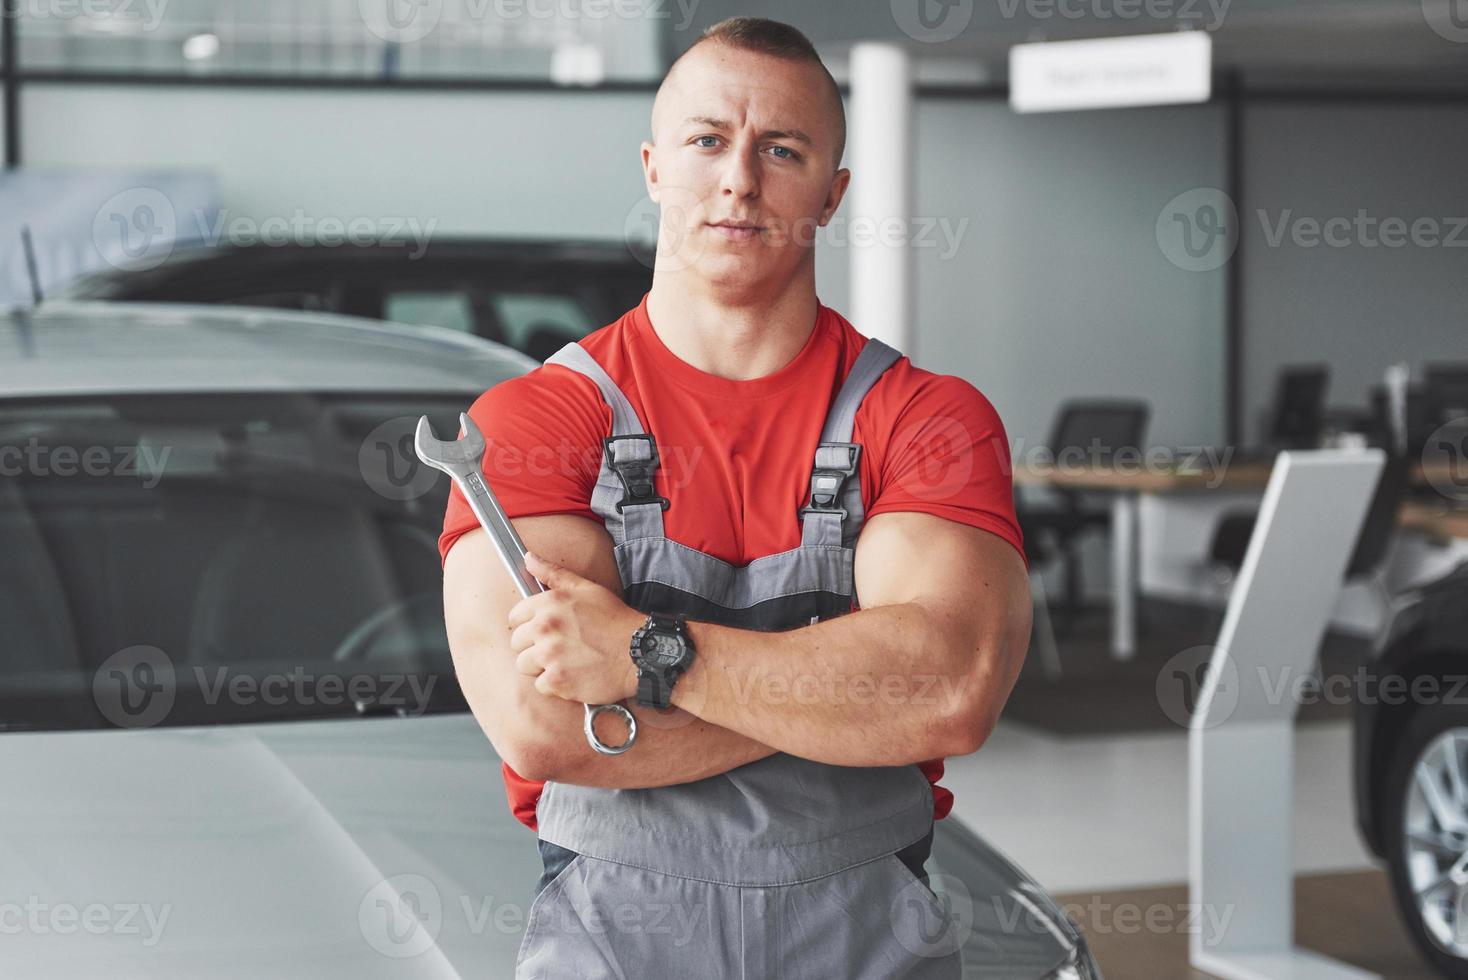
510,256
78,347
615,252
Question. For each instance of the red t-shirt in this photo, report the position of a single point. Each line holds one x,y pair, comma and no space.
735,456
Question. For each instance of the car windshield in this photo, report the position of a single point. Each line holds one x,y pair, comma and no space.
207,559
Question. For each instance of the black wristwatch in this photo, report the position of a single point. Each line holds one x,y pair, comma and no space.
662,651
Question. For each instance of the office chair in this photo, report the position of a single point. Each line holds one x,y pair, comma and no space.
1085,431
1299,407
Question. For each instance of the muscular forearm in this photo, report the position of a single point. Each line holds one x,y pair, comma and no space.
672,747
881,686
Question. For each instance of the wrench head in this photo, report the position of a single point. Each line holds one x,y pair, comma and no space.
454,454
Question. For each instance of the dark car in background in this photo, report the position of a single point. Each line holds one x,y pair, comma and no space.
1412,767
531,295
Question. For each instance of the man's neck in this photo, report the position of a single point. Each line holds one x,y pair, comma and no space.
739,336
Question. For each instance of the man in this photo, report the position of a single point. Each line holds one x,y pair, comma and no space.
722,473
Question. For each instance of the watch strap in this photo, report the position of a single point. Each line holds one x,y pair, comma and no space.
653,690
655,686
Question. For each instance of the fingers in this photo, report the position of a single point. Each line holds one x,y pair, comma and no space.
549,575
528,608
528,663
544,684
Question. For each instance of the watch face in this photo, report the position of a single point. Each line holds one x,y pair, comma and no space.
660,648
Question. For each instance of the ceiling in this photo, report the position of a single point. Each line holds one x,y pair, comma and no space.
1340,45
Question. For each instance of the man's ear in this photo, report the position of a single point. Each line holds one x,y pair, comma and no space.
839,182
650,169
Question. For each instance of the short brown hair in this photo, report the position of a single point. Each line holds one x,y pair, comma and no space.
773,37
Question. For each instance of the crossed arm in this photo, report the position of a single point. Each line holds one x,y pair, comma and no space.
921,671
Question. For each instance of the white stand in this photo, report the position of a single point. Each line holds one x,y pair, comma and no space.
1241,765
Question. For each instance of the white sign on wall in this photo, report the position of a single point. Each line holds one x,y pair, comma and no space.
1156,69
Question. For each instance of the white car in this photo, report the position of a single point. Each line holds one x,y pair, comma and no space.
231,743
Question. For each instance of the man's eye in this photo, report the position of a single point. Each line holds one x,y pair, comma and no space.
786,149
696,139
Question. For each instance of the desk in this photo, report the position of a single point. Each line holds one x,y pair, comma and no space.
1126,484
1433,519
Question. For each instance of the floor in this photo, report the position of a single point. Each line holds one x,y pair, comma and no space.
1084,785
1347,917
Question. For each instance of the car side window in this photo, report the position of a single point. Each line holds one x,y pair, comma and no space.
451,308
541,323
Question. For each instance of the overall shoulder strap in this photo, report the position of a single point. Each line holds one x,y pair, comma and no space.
833,514
624,495
576,357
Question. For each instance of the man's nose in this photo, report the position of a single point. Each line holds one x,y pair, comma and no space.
741,172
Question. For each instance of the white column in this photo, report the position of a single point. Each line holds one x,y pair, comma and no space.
879,203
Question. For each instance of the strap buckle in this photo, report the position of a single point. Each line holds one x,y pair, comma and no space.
636,474
827,483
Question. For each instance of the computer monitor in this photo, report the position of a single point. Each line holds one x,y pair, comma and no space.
1299,407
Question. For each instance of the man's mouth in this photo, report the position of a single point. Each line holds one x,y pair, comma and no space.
738,231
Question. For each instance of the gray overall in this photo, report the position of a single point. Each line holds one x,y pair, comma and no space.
782,868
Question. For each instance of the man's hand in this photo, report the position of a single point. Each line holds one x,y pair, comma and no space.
575,637
539,735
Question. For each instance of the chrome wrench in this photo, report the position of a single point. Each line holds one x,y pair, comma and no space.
460,459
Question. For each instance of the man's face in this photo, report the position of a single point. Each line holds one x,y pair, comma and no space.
747,139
